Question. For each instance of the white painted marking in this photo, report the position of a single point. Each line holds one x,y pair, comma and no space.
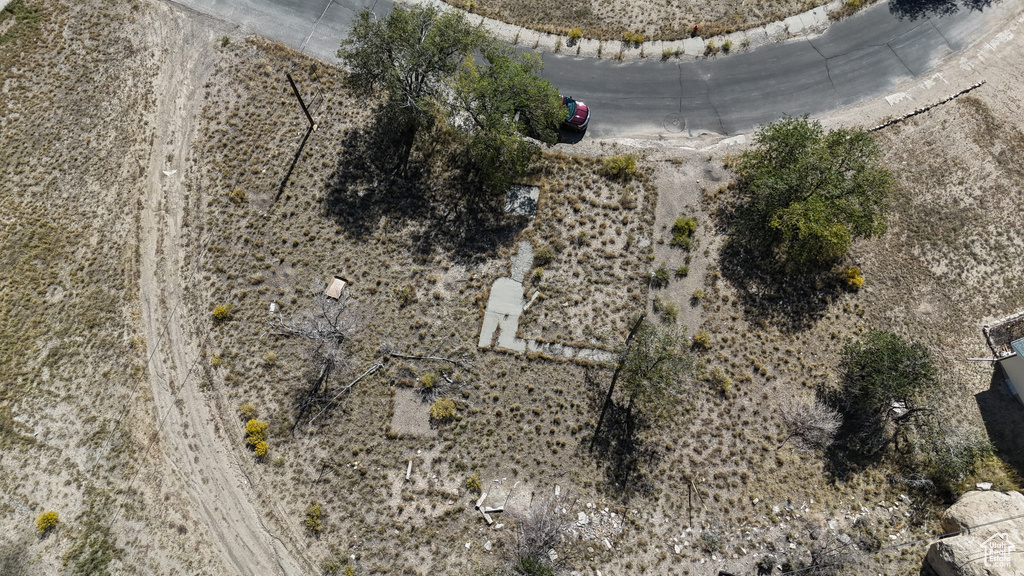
893,99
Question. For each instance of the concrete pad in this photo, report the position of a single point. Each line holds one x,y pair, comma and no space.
793,24
521,264
595,355
693,46
775,30
504,307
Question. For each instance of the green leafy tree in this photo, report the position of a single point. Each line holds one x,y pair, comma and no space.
886,379
651,366
410,55
810,193
440,72
505,99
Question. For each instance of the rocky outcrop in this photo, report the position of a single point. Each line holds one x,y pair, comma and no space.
990,539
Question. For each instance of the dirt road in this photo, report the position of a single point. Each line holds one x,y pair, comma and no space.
194,444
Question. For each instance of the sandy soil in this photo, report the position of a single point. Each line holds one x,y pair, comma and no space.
204,506
197,448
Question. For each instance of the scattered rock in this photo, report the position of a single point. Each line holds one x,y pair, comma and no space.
552,555
984,485
488,545
582,519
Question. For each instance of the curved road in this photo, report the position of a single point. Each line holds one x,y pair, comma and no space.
855,59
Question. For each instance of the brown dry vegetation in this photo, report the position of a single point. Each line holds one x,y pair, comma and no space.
656,20
713,480
73,138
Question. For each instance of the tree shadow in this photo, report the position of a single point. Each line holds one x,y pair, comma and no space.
1003,416
620,446
383,181
771,293
917,9
856,445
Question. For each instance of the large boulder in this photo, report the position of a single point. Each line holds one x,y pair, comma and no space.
990,543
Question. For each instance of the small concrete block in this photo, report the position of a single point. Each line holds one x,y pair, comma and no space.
693,46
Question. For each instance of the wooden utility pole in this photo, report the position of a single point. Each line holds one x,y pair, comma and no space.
295,89
615,377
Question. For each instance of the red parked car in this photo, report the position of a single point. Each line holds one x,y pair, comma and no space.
578,116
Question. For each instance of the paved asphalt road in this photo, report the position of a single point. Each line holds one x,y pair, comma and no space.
860,57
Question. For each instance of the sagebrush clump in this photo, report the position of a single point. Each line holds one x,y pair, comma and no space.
702,340
854,279
682,232
314,519
46,522
442,410
473,483
247,410
620,168
256,437
223,313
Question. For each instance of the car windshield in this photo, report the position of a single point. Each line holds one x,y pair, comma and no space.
571,105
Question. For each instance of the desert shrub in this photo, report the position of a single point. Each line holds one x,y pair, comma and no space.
702,340
543,255
224,41
406,295
473,484
682,232
698,295
710,49
428,380
223,313
767,564
660,277
270,358
853,277
260,449
620,168
442,410
237,196
710,542
314,520
255,432
532,566
683,271
247,410
46,522
727,46
575,34
720,381
670,312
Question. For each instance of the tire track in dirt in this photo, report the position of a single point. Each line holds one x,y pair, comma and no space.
193,443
